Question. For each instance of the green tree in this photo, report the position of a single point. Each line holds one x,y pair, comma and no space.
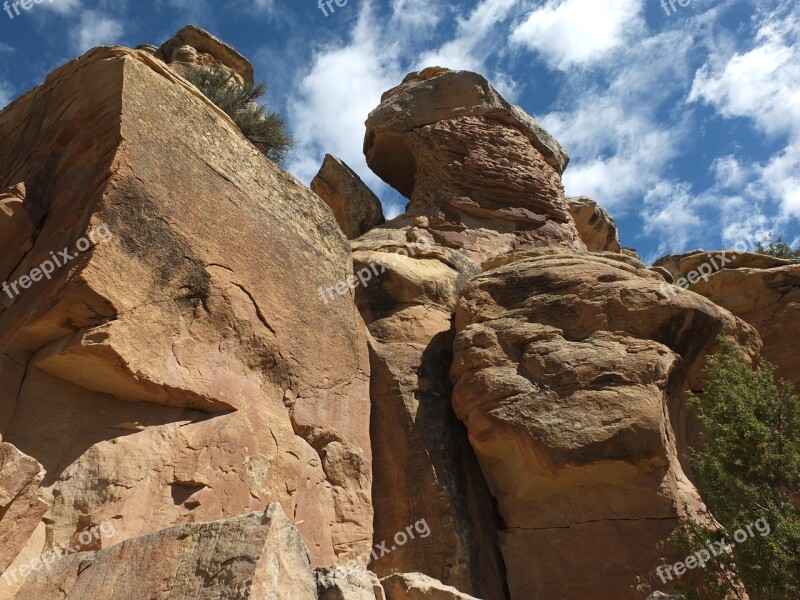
265,129
778,249
749,468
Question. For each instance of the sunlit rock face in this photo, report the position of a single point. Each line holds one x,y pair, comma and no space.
486,175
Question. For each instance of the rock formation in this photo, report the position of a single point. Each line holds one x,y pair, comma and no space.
760,289
486,175
355,207
165,342
481,399
250,557
595,226
570,373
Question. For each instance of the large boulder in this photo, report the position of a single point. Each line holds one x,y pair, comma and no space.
484,173
170,356
570,372
597,228
250,557
416,586
21,508
355,207
760,289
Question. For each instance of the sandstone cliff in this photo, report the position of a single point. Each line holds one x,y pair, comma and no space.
235,387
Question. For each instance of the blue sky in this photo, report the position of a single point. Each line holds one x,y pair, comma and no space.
685,125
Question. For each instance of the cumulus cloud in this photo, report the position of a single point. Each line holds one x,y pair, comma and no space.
95,29
6,93
345,81
762,85
577,32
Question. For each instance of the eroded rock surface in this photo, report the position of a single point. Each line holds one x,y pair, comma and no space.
21,509
595,226
569,372
356,208
250,557
760,289
416,586
486,175
193,47
424,467
185,377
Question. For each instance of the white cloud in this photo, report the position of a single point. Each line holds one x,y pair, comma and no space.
334,97
6,94
576,32
669,213
462,52
95,29
345,82
762,84
614,129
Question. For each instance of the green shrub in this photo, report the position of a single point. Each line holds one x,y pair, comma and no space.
749,468
778,249
265,129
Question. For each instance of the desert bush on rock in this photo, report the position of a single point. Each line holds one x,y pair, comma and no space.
265,129
749,468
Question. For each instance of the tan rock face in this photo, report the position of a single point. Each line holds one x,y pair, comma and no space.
595,226
184,363
254,556
424,467
569,372
21,509
356,208
485,174
760,289
193,47
416,586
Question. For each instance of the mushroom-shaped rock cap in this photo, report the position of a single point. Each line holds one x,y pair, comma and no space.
438,94
204,42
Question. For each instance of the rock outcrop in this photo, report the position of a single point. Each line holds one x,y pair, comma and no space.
595,226
484,173
415,586
193,47
181,384
570,373
355,207
484,398
21,508
760,289
250,557
423,465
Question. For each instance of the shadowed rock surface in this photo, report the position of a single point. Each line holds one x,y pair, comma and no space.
760,289
595,226
356,208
